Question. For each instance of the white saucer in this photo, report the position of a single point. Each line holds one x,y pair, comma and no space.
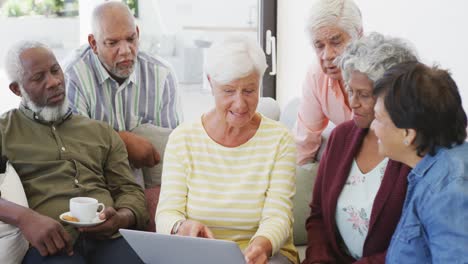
95,221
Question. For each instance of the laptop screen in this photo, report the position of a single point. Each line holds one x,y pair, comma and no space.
167,249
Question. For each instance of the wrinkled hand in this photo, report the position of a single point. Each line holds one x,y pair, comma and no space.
141,153
258,251
45,234
194,229
114,221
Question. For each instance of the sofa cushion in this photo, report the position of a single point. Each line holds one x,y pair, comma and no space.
289,113
269,107
13,245
305,179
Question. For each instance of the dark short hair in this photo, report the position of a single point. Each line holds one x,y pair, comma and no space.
427,100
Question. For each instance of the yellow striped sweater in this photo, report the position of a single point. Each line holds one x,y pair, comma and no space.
239,193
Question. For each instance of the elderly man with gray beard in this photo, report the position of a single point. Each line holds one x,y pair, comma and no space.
111,80
58,156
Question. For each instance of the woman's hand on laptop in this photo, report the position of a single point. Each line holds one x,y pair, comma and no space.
258,251
194,229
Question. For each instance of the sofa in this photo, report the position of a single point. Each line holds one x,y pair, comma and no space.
13,245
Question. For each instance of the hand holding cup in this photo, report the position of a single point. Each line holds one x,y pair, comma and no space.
85,209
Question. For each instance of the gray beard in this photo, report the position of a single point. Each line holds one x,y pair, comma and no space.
113,71
47,113
117,73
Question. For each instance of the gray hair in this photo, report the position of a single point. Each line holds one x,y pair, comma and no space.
373,55
234,57
101,10
13,65
343,14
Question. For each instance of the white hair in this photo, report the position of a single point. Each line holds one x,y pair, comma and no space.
373,55
112,6
233,58
344,14
13,65
15,72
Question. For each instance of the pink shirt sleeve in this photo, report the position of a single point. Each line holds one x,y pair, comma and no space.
322,101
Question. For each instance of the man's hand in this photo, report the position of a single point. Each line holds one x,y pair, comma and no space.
194,229
44,233
258,251
123,218
141,153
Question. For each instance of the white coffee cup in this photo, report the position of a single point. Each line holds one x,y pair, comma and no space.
85,208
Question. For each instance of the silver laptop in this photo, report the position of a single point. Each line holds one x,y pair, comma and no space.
171,249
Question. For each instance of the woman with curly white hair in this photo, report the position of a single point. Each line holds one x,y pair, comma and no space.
359,193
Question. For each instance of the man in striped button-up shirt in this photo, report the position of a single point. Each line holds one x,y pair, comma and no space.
110,80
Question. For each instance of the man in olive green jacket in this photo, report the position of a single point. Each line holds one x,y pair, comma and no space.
58,156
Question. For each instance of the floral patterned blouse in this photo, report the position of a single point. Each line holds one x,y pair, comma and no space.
354,206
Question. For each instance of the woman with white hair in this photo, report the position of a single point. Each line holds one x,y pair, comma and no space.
331,25
359,194
231,174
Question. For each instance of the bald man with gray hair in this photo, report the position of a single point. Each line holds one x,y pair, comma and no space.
112,81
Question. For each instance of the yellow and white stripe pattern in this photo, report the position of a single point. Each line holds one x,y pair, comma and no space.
239,193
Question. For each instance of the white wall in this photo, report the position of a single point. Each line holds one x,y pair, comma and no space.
293,50
437,29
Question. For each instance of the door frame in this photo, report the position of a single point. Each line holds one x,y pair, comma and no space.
267,21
